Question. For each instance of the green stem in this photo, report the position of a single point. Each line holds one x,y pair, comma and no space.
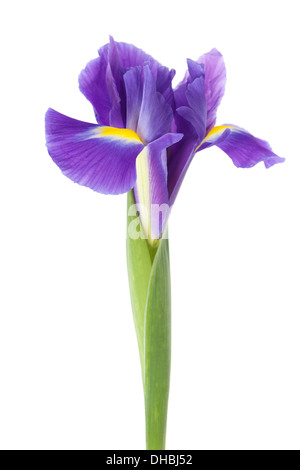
149,281
158,350
139,266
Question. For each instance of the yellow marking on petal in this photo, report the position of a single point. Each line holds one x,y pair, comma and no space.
215,130
118,133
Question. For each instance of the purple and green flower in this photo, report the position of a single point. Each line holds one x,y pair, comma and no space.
146,136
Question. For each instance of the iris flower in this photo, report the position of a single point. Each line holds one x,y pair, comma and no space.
144,140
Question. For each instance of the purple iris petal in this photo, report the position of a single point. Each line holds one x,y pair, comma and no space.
190,119
158,167
151,189
244,149
102,81
133,80
131,56
181,155
194,71
215,80
102,158
155,114
148,114
195,112
211,65
116,115
164,78
190,101
159,188
93,84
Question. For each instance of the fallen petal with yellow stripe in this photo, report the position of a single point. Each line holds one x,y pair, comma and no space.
99,157
244,149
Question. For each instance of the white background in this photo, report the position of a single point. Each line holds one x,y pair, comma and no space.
69,366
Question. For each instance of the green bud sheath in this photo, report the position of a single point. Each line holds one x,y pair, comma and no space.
149,282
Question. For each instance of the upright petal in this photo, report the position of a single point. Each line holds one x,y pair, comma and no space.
215,80
212,66
131,56
101,84
116,114
244,149
133,80
102,158
102,80
190,119
164,78
155,114
190,102
195,111
93,84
